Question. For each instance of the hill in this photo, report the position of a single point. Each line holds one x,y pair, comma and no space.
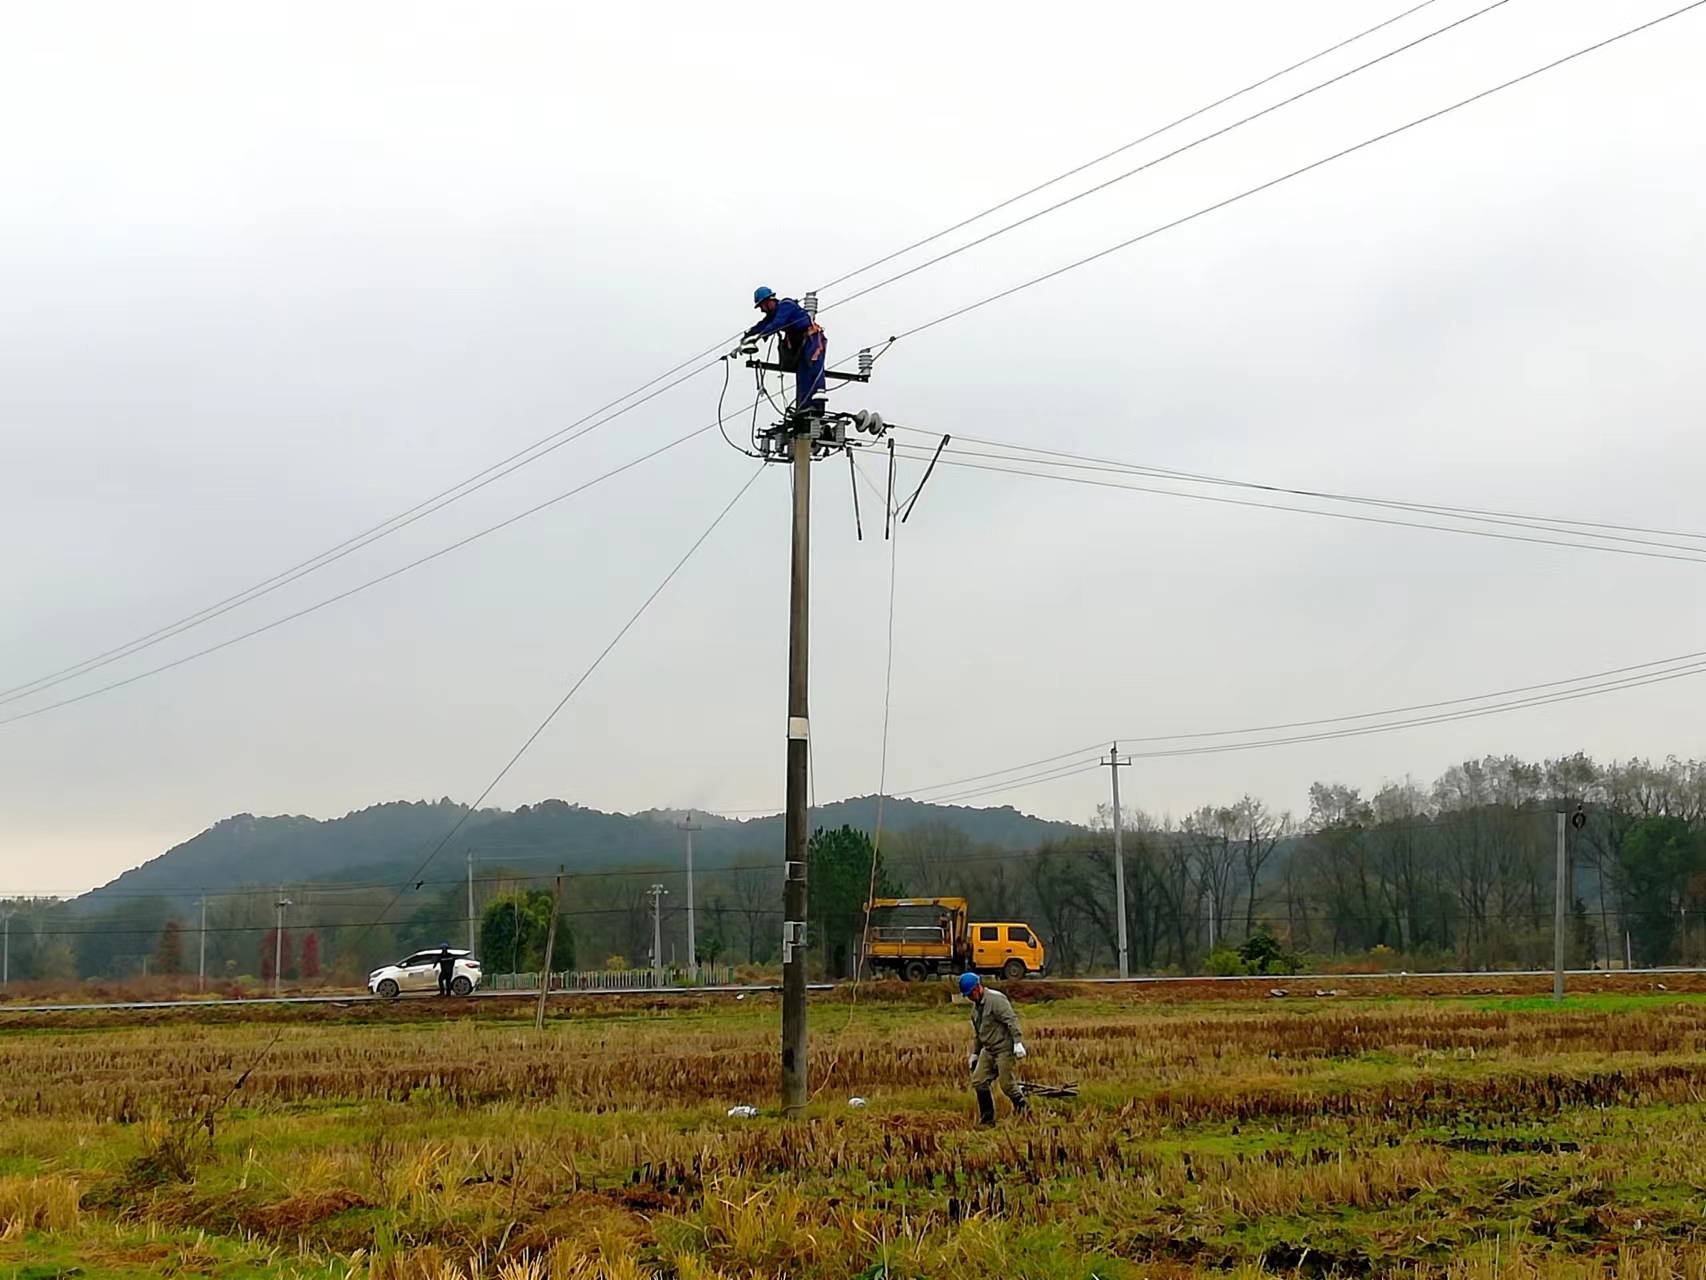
388,842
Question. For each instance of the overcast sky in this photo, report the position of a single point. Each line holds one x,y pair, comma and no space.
271,274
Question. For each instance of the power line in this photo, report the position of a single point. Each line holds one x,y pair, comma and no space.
1614,679
1688,658
1091,462
333,554
1612,686
1617,686
1689,555
1682,664
1014,784
1544,524
978,777
646,391
461,821
1123,147
1162,159
358,588
957,312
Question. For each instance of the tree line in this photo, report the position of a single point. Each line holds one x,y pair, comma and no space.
1458,873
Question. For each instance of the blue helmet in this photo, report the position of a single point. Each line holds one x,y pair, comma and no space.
761,293
969,982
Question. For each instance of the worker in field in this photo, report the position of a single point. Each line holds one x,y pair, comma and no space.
802,345
446,970
996,1047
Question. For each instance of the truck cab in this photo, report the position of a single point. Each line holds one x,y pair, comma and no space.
918,938
1010,948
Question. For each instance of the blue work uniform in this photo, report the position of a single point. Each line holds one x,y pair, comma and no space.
803,346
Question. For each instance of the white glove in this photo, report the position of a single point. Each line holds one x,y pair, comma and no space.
971,1062
1018,1049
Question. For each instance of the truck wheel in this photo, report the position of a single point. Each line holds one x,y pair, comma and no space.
388,990
462,987
914,971
1013,970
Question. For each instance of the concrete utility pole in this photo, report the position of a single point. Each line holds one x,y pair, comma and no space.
201,962
1115,763
550,948
278,942
470,902
692,941
658,893
6,948
794,1064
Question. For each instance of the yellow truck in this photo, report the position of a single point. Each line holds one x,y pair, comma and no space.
918,938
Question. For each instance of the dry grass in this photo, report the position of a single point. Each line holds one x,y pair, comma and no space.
1449,1139
48,1203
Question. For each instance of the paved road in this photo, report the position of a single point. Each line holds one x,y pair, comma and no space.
1280,979
364,998
1287,980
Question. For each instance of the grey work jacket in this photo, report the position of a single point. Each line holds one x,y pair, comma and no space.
994,1025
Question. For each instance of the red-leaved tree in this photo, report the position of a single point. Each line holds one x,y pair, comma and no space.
310,967
270,948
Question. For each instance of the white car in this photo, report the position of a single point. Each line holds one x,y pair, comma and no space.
420,973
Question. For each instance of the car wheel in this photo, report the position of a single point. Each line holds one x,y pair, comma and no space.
1013,970
388,989
914,971
461,987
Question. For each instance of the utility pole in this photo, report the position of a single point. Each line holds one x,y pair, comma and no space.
470,902
1559,905
6,948
1115,764
692,941
201,962
658,893
794,1063
278,942
550,946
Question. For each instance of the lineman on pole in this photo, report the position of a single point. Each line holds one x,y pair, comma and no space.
996,1047
802,345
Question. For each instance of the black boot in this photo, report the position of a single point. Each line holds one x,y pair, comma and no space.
986,1108
1020,1106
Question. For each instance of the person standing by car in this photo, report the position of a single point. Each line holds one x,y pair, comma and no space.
996,1047
446,970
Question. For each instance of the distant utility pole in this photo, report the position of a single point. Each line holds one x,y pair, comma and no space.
692,942
1558,907
1115,763
201,962
550,949
794,1064
1561,902
278,942
470,902
658,893
6,948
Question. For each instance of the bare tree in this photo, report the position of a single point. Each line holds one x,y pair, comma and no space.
931,859
1399,838
756,893
1211,839
1260,832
